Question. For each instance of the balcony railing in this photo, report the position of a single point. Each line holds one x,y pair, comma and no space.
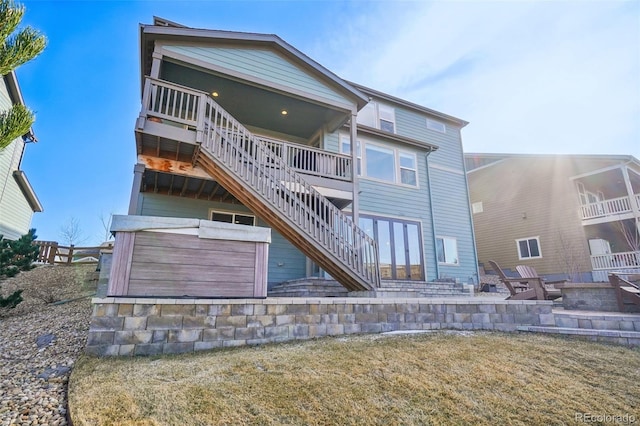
178,105
630,259
311,160
611,207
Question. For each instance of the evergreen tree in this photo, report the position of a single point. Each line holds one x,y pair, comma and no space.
16,256
16,48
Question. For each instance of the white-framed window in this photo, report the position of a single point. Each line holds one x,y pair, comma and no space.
408,168
477,207
378,116
436,125
447,251
383,163
232,217
529,248
379,162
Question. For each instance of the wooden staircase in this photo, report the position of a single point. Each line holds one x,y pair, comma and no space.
250,170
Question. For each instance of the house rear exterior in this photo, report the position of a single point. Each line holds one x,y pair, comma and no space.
244,128
568,216
18,200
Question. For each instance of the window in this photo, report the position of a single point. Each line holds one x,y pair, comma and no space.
408,171
477,207
387,118
529,248
436,125
399,246
228,217
380,163
383,163
447,251
378,116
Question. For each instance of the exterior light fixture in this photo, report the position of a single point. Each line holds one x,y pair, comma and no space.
284,112
214,94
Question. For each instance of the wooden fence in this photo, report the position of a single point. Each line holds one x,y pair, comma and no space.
53,253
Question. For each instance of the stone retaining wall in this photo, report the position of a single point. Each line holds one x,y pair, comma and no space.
127,326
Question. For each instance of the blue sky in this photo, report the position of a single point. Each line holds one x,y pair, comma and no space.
530,77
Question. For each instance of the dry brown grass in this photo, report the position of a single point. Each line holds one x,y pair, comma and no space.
440,378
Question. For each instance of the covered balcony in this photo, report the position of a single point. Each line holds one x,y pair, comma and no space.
171,126
609,195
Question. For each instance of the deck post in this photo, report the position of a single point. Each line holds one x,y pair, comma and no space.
355,205
138,170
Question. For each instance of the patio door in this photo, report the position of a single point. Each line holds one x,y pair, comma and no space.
399,246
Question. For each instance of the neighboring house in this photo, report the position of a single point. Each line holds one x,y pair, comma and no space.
18,201
569,216
209,96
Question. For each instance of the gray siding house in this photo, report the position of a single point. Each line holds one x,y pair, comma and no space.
18,201
244,128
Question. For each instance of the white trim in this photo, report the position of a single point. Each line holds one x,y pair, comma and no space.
436,122
396,159
597,171
457,255
233,215
493,163
537,238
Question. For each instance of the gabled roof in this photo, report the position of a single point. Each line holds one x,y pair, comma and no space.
167,30
411,105
475,161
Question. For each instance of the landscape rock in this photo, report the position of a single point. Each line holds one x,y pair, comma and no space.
40,342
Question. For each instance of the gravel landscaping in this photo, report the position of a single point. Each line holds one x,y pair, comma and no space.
40,341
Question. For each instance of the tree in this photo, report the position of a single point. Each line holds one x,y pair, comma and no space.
16,48
71,233
105,221
16,256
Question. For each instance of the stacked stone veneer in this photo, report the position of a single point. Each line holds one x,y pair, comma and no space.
126,326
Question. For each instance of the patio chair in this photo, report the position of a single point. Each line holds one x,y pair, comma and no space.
520,288
625,290
529,272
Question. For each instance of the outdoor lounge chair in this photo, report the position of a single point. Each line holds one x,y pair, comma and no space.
520,288
529,272
625,290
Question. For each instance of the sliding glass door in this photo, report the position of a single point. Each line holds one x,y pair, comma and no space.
399,245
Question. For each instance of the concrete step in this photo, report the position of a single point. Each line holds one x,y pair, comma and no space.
627,338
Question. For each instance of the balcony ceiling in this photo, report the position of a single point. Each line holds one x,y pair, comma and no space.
255,106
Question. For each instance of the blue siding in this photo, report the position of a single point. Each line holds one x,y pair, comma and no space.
266,65
452,219
285,261
449,215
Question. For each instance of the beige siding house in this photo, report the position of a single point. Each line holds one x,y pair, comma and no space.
568,216
18,201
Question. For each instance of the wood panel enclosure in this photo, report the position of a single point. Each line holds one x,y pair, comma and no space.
174,264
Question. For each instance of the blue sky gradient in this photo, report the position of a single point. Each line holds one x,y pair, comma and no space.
530,77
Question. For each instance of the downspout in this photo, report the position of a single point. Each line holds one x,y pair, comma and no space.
473,230
433,222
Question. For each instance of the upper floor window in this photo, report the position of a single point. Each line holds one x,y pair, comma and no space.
383,163
230,217
378,116
436,125
529,248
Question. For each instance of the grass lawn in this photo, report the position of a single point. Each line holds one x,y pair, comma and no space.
436,378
